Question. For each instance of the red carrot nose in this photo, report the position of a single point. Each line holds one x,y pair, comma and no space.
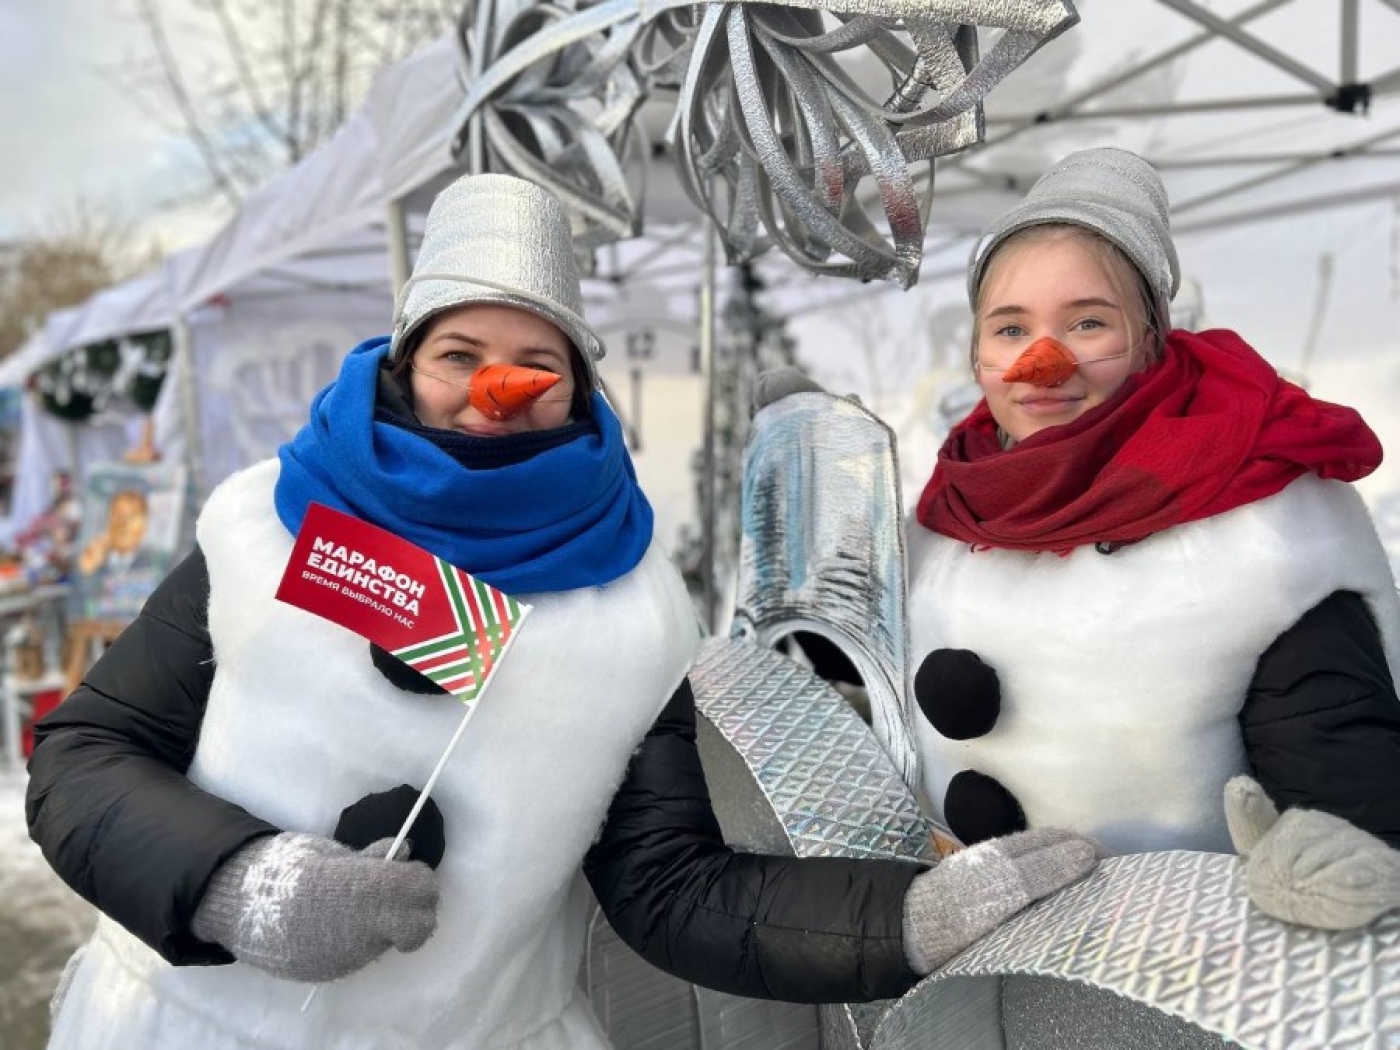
505,391
1046,362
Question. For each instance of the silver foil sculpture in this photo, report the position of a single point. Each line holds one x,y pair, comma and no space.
776,125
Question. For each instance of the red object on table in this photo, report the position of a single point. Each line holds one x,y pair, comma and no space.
41,703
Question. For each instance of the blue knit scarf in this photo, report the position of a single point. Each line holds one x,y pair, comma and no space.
570,516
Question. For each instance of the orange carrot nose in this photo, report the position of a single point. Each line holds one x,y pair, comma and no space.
505,391
1046,362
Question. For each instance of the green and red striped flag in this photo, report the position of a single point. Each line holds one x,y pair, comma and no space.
433,616
462,659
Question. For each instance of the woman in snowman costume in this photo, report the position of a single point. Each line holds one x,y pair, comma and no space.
1140,580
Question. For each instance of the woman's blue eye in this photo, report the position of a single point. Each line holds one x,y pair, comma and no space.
1091,322
1011,331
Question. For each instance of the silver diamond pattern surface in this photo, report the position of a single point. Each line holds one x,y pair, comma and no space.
815,763
1176,931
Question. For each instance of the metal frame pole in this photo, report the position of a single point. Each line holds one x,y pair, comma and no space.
183,343
1350,32
709,510
1251,43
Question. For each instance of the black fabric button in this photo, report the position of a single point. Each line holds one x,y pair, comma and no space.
958,693
977,808
400,675
381,815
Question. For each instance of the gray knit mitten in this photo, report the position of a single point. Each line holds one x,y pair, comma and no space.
973,891
305,908
1310,867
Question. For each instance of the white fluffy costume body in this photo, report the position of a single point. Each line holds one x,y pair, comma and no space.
522,799
1122,675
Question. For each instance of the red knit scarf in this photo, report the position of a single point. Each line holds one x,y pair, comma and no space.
1210,428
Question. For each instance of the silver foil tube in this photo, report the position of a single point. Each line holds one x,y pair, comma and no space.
823,548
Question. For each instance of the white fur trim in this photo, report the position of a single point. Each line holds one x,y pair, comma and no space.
1122,675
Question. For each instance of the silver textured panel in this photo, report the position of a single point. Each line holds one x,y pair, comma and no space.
807,758
1175,931
823,547
643,1008
792,769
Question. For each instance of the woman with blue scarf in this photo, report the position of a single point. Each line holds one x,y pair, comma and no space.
222,783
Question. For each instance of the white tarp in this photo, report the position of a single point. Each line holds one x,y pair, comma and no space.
257,369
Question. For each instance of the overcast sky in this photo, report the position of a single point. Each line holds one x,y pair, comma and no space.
69,132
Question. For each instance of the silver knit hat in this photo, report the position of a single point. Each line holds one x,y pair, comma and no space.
497,239
1112,192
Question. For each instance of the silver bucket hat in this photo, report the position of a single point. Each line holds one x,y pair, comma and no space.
497,239
1112,192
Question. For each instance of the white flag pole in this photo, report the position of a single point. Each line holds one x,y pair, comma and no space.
472,705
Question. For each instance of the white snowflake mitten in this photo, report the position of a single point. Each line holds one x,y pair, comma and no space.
306,908
1310,867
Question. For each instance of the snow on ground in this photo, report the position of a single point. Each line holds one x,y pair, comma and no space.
41,922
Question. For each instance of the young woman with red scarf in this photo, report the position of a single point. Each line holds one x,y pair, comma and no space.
1138,574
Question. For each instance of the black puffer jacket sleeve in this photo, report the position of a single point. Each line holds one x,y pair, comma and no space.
108,800
810,930
1321,721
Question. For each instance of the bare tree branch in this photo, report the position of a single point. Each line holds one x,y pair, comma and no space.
176,84
275,78
238,51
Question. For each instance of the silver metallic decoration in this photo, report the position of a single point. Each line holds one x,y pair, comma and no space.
794,771
551,97
769,114
823,547
773,132
1176,932
793,768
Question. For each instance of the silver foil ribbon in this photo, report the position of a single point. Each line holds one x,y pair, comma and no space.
552,98
822,548
773,131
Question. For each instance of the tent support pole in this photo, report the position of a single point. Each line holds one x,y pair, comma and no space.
709,503
1250,43
397,223
1355,149
189,402
1351,26
1068,107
